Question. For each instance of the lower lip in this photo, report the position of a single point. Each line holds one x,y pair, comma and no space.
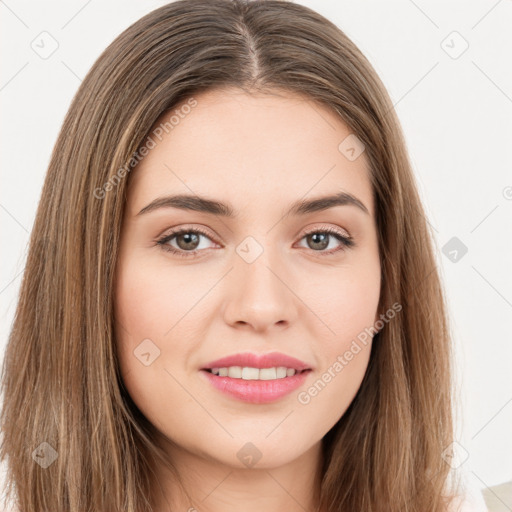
257,391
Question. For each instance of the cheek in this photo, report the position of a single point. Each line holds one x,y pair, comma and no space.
155,309
152,298
144,312
348,306
346,302
327,397
147,306
344,353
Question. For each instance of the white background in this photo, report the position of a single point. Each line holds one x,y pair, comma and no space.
457,117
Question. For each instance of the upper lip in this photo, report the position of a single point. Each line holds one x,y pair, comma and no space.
247,359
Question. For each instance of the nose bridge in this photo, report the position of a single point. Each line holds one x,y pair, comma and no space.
259,295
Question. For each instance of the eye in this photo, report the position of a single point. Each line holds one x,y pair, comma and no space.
188,241
320,239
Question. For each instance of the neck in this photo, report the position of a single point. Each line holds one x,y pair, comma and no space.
208,485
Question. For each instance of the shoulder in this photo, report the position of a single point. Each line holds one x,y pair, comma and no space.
465,504
470,500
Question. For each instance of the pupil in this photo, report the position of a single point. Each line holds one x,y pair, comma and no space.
323,243
190,238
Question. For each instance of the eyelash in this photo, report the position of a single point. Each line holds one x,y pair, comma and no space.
346,241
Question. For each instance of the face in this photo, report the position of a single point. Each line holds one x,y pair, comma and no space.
265,280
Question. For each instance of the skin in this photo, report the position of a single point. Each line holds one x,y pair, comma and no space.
259,153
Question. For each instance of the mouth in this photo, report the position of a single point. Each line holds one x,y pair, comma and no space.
258,384
253,373
252,366
256,378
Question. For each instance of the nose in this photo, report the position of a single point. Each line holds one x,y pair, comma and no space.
260,294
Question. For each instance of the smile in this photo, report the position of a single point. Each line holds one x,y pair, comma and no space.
255,391
248,373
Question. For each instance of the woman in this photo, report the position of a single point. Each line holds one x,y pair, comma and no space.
231,297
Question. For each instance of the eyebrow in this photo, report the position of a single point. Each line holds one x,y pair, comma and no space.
213,207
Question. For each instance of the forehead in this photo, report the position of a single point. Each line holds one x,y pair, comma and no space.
257,149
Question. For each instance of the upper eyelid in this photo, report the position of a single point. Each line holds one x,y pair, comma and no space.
332,231
203,231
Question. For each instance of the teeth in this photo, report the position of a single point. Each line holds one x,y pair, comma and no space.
248,373
267,374
235,372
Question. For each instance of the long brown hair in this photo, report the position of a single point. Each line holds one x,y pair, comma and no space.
63,395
